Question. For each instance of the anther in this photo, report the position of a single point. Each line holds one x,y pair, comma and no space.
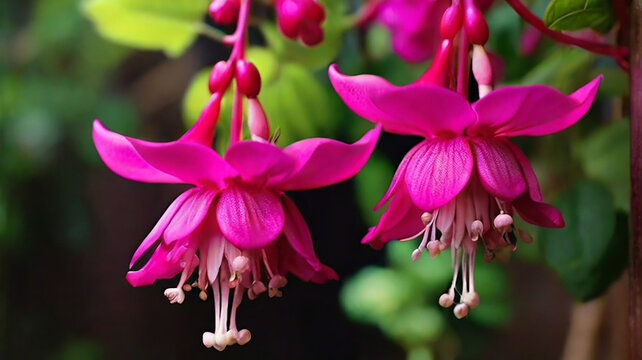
240,264
243,337
503,222
446,300
471,299
434,248
426,218
460,310
187,287
416,254
476,229
202,295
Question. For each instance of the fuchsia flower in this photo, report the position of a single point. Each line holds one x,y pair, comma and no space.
465,178
236,217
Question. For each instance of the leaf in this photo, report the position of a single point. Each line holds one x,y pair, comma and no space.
574,15
588,254
433,275
566,69
415,326
604,156
169,25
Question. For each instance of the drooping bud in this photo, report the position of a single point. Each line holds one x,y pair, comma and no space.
225,12
503,222
220,76
482,70
311,33
313,11
475,26
257,121
301,18
476,229
248,78
288,15
451,22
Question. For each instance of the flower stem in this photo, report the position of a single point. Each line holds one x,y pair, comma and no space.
619,53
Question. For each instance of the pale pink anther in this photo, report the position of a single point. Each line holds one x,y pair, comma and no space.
257,120
503,222
446,300
460,311
471,299
434,248
476,229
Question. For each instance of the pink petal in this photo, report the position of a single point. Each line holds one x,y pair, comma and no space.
321,162
259,162
119,154
538,213
192,163
165,263
498,169
398,177
531,180
297,233
435,110
401,219
161,225
189,216
532,110
375,99
202,132
249,218
291,261
438,171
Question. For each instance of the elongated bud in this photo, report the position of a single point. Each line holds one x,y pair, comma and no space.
475,26
311,33
288,17
220,77
248,78
257,121
482,70
225,12
451,22
313,11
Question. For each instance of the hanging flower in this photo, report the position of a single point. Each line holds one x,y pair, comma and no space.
235,224
465,179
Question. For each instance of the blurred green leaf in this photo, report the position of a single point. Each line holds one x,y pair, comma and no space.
415,326
491,283
564,68
434,274
420,353
317,56
573,15
378,42
586,253
169,25
376,294
604,156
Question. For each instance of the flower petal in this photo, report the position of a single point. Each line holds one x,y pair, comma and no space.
401,220
402,110
191,162
498,169
161,225
165,263
438,171
189,216
398,177
531,180
249,218
259,162
297,233
532,110
321,162
202,132
119,154
290,260
538,213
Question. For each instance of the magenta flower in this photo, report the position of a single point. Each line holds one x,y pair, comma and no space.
236,221
465,178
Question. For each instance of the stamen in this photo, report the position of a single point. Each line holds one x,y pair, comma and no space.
460,310
476,229
503,222
175,295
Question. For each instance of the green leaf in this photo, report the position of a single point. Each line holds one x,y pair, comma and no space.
587,253
415,326
573,15
169,25
433,274
566,69
605,157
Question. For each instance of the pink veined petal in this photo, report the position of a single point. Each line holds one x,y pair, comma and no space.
321,162
498,169
119,154
215,249
398,177
291,260
202,132
531,180
192,163
249,218
161,225
401,220
189,216
297,233
376,100
161,265
260,162
538,213
532,110
438,171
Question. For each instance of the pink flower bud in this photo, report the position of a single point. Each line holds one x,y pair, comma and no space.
312,10
289,14
248,78
225,12
475,26
257,121
451,22
220,76
311,33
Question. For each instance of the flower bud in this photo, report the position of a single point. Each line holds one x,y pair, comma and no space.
220,77
288,17
225,12
314,11
475,26
248,78
257,121
451,22
311,33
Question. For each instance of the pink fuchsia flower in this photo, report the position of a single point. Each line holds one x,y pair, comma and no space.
235,223
465,178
